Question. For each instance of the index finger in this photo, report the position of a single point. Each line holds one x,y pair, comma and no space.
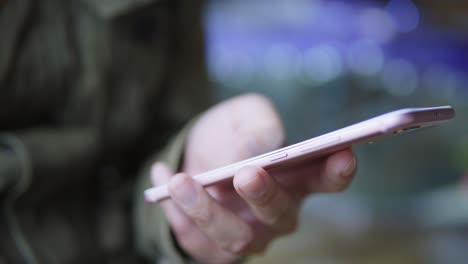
271,204
326,174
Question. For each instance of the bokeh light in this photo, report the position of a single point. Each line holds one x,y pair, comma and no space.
327,64
405,14
400,77
365,57
322,64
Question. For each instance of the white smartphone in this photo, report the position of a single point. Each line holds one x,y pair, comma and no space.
392,123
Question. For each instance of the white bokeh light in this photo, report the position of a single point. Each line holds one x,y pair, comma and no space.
322,64
376,24
365,57
400,77
234,69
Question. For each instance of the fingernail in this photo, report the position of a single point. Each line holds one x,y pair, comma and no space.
252,185
183,191
349,168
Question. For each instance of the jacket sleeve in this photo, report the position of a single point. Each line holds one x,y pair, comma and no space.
15,177
152,231
189,95
15,167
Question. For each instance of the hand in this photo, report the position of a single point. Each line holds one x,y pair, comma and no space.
235,218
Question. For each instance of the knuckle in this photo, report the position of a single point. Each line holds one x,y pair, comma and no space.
182,229
274,220
190,241
264,197
203,219
202,215
284,222
243,244
192,246
240,247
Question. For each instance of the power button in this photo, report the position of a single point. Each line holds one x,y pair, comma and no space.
278,156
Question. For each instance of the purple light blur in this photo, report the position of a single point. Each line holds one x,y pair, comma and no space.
248,40
405,14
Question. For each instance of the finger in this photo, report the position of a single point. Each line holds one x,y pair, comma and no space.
270,203
180,223
193,240
295,178
188,235
337,173
224,228
161,174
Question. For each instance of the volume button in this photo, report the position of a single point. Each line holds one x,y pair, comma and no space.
278,156
318,144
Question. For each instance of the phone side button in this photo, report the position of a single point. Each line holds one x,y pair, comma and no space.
278,156
317,145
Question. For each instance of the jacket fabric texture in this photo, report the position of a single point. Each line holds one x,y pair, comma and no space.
91,93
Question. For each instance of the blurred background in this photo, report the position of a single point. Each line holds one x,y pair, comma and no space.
328,64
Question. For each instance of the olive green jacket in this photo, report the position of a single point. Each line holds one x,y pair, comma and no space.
91,91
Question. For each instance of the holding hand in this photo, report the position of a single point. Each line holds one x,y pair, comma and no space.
223,222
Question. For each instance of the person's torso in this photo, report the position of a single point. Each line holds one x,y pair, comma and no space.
91,88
